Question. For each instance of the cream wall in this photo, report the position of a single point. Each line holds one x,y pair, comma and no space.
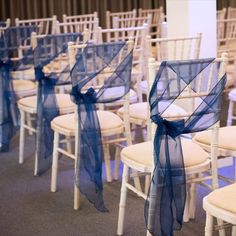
189,17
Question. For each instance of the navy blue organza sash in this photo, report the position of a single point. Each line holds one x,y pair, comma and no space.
11,39
48,49
165,204
90,64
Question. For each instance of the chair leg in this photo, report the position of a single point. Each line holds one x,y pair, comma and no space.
122,205
233,231
209,225
147,183
22,137
186,207
192,201
54,162
230,113
117,163
192,198
220,223
76,198
29,122
107,162
148,233
137,183
68,145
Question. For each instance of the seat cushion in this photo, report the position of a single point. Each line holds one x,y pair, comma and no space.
24,88
139,110
142,153
144,86
27,74
65,105
136,110
232,94
227,137
224,198
111,93
110,123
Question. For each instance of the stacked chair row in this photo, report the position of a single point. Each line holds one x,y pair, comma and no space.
92,86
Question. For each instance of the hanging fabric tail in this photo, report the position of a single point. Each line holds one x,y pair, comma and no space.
49,50
11,39
94,61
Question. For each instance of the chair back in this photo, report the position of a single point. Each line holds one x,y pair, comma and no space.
132,22
51,72
138,34
90,27
231,13
4,25
121,15
158,18
221,14
226,41
181,48
44,25
80,18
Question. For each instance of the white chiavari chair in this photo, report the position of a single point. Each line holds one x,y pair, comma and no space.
45,25
121,15
158,18
90,27
220,204
139,156
231,13
79,18
114,130
28,105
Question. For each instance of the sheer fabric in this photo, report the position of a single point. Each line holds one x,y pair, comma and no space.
166,199
50,50
92,66
11,40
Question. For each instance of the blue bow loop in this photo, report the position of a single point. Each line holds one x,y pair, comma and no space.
6,65
39,75
77,97
172,128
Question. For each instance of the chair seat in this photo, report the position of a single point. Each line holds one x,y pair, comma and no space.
138,112
227,137
24,88
224,198
232,94
141,155
144,86
116,92
110,123
65,105
28,74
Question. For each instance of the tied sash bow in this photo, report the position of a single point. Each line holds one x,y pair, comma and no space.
171,128
89,161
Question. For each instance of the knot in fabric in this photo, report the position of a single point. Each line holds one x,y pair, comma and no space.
88,97
39,75
6,65
171,128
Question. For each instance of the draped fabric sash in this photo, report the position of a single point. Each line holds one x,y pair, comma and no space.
47,50
7,111
11,39
167,194
90,65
